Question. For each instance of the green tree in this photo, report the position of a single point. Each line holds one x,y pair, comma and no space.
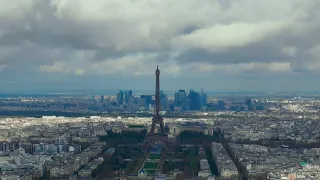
193,160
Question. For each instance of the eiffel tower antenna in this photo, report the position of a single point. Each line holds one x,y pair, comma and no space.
157,63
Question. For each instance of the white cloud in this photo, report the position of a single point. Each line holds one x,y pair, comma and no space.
220,37
16,9
56,67
61,67
135,64
289,51
172,70
79,71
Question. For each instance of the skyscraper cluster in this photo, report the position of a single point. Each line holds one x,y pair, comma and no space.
124,97
148,101
193,101
181,101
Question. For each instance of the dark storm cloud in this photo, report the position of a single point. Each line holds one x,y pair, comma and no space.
76,35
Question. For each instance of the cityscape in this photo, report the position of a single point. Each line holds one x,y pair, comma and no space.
159,90
199,136
124,102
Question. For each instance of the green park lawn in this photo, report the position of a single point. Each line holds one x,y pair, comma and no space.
151,172
154,156
150,165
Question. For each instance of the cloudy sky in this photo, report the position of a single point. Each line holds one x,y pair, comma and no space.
220,45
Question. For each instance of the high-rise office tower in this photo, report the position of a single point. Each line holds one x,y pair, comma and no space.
164,101
203,99
130,93
127,96
194,100
146,101
180,99
221,105
120,95
93,100
248,102
101,99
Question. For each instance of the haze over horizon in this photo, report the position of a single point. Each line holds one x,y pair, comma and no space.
222,45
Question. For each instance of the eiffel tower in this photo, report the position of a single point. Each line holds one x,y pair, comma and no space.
157,119
161,137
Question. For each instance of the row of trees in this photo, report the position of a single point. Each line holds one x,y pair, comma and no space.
195,137
126,137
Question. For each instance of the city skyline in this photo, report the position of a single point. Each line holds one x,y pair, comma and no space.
259,46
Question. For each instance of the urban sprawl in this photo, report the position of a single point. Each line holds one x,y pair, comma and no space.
213,138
